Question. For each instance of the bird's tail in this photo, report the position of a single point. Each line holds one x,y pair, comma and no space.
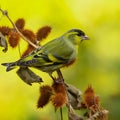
9,66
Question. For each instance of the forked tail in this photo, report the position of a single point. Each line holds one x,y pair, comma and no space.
10,66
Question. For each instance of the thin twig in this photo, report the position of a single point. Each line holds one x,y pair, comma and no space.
61,114
4,12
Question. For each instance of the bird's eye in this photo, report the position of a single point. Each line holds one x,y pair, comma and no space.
78,34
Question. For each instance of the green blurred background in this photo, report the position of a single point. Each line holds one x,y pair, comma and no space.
98,62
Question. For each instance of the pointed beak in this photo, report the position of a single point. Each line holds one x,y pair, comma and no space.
85,37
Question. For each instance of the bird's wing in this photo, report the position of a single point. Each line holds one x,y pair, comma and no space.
56,51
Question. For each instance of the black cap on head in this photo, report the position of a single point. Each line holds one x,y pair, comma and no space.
80,33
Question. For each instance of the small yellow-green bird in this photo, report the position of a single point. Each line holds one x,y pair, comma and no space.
53,55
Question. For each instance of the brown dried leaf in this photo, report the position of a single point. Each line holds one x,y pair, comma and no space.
72,115
28,76
99,115
3,42
74,96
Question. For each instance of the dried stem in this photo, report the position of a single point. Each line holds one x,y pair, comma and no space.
61,113
5,13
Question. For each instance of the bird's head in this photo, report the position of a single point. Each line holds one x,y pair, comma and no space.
76,36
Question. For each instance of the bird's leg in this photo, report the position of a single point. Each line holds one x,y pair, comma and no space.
53,78
60,76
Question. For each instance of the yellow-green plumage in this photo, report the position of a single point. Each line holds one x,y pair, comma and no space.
55,54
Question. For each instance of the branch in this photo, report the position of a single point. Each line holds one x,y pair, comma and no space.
5,13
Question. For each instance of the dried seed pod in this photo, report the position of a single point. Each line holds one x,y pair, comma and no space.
13,38
60,97
58,100
28,50
5,30
45,94
43,32
29,35
59,87
20,23
90,99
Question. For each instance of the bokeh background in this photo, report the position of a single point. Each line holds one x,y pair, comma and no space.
98,62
